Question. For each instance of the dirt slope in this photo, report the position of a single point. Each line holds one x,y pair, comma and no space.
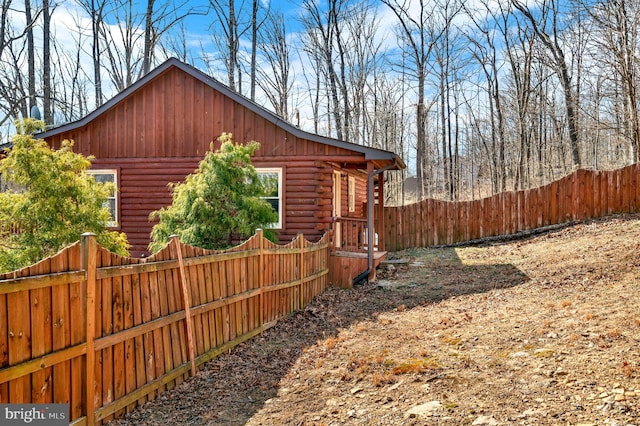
543,331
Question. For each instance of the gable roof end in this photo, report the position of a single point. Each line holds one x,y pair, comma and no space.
369,153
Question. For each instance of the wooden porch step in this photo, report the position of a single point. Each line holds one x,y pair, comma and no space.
346,265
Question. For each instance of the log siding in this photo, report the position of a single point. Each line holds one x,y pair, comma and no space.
158,130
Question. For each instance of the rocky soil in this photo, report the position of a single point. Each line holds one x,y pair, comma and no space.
538,331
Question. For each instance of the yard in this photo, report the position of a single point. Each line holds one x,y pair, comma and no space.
538,331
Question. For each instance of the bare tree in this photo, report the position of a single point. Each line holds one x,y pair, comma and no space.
13,93
547,27
96,10
16,42
160,18
122,45
617,23
418,37
47,11
445,68
321,40
130,45
254,44
484,51
31,57
519,50
313,71
256,24
227,22
275,78
73,86
363,62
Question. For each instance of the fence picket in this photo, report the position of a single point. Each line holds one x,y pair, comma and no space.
625,189
88,264
583,195
61,337
177,334
130,369
40,328
107,329
631,189
210,316
636,186
163,305
147,340
187,302
19,332
129,344
118,325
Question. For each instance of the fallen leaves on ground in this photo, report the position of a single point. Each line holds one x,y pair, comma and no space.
540,331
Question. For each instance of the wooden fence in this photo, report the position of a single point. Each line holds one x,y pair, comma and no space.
104,333
583,195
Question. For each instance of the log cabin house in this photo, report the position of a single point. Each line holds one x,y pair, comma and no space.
157,130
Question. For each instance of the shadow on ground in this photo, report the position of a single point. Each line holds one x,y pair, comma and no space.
230,389
431,275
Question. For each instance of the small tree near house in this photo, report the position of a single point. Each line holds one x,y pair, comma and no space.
48,200
219,201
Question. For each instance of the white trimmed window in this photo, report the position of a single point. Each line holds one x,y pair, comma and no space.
109,176
272,181
352,194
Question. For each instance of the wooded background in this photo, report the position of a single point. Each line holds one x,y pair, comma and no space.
583,195
477,98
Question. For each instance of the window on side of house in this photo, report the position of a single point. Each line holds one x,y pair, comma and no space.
352,194
272,181
109,176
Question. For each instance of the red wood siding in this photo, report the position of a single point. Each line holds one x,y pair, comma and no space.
144,188
361,194
160,132
176,115
360,191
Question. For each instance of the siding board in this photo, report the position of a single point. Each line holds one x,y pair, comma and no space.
160,132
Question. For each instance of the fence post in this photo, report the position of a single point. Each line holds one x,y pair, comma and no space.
88,250
261,273
301,268
187,308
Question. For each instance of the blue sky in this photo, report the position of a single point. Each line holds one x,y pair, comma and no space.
199,31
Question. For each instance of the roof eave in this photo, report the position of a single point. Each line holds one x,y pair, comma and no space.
369,153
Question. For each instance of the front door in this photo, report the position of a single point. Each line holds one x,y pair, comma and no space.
337,208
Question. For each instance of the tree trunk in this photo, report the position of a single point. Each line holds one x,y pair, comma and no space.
443,139
346,108
571,115
562,70
421,137
254,42
46,63
95,52
233,46
148,35
30,59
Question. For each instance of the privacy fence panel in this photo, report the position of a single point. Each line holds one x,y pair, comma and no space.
583,195
104,333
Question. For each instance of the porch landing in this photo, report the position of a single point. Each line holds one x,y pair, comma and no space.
347,265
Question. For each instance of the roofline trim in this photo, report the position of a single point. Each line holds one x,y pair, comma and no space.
369,153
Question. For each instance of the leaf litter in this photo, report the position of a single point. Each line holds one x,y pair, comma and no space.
538,331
